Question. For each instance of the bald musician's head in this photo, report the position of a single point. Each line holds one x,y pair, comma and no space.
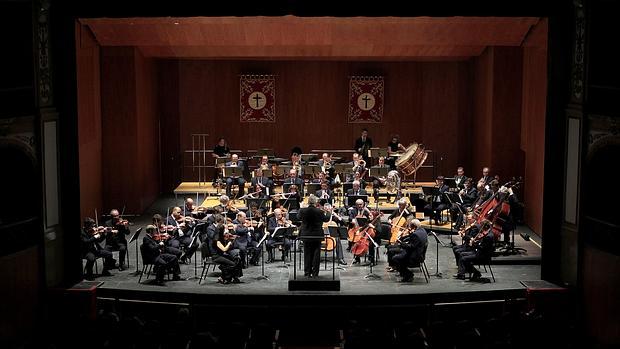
292,173
114,213
356,185
241,217
359,203
402,203
176,212
278,213
189,201
224,200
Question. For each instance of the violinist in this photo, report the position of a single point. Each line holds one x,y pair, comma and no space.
312,219
117,241
166,236
207,240
182,234
235,162
277,221
413,250
91,236
229,262
482,247
228,209
467,233
154,252
244,241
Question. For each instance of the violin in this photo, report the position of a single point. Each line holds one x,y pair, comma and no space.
100,230
229,236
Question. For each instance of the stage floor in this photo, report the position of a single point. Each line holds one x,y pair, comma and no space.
509,271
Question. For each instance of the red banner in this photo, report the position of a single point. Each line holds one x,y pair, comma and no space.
257,98
365,99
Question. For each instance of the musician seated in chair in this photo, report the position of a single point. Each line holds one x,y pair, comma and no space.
226,257
482,247
358,167
153,252
325,194
239,180
278,220
468,195
335,218
117,241
438,202
182,234
91,236
244,241
412,253
261,186
467,233
379,182
357,189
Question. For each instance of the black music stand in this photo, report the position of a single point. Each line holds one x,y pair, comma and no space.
339,235
260,245
220,163
261,203
312,188
308,157
376,171
266,173
195,234
311,170
283,170
376,153
437,243
133,238
265,151
450,182
282,233
352,198
343,169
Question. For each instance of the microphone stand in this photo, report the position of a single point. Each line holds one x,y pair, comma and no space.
437,242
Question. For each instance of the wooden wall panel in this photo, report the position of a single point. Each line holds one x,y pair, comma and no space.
533,113
89,120
424,102
130,125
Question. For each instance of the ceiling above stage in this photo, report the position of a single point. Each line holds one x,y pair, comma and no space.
316,38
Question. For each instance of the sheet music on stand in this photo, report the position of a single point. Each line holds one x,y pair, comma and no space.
311,169
378,171
307,157
260,202
265,151
221,161
265,173
233,171
343,169
283,170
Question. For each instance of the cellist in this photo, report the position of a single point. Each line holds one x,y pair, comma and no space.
398,219
355,212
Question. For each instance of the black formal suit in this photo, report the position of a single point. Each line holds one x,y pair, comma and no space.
271,242
362,146
413,252
351,192
437,204
118,241
91,250
481,252
312,219
470,196
152,254
265,182
464,247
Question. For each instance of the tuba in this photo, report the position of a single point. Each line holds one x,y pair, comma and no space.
392,183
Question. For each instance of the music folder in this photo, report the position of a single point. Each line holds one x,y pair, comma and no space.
233,171
343,168
312,169
222,161
135,235
377,172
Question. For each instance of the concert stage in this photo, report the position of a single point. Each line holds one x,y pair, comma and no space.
384,291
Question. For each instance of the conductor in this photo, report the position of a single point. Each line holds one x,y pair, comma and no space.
312,219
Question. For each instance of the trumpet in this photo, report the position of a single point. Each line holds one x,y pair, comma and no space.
360,164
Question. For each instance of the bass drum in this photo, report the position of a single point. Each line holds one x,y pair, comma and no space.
412,159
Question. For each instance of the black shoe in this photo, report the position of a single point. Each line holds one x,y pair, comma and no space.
475,276
159,282
122,267
236,281
459,276
407,279
89,277
356,261
105,273
176,277
342,262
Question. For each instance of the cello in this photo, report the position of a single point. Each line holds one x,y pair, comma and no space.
497,210
360,247
398,226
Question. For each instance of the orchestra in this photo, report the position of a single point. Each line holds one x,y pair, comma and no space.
229,233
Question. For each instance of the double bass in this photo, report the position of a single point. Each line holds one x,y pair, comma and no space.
365,236
497,209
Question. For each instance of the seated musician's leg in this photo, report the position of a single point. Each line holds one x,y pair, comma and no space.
122,252
90,262
241,183
229,183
